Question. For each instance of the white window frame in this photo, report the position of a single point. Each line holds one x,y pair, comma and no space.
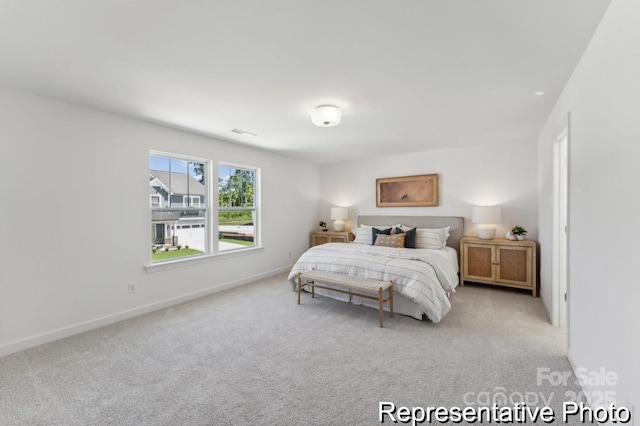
256,206
211,225
206,206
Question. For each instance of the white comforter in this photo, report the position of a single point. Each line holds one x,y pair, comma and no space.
424,276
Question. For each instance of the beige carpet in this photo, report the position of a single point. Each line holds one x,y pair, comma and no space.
252,356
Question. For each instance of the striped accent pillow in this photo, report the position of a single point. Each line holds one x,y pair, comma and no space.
363,236
432,238
396,240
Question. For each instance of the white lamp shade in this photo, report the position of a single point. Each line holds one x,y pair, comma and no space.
486,214
326,116
339,213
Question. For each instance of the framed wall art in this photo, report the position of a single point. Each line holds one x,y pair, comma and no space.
407,191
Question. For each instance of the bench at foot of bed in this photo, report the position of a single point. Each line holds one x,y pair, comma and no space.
350,284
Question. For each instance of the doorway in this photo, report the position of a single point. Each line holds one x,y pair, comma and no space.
160,235
560,262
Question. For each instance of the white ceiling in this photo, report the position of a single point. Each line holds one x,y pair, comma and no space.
410,75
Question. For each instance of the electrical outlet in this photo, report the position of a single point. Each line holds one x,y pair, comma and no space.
132,288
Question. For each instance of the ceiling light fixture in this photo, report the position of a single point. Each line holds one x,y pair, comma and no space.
326,115
539,93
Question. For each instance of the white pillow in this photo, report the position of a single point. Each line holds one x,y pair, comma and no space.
364,234
432,238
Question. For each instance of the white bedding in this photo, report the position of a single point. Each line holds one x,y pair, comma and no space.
422,275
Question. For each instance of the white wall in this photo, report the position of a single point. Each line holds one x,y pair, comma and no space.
75,218
503,174
603,97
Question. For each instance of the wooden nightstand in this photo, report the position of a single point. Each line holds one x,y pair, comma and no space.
499,262
322,237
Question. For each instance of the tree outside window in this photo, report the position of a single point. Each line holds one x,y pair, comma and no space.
236,207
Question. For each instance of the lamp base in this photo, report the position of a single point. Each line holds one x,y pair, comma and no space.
338,225
486,232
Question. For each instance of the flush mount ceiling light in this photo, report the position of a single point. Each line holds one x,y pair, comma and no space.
326,116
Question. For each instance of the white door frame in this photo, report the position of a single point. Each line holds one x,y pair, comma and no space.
560,256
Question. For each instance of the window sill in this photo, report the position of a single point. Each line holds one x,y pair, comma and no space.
179,263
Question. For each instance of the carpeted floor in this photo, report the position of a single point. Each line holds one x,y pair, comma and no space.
250,355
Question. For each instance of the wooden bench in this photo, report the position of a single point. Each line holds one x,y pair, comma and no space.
349,283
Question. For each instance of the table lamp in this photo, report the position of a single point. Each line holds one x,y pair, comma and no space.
486,217
339,214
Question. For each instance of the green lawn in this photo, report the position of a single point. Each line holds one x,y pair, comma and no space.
164,255
241,242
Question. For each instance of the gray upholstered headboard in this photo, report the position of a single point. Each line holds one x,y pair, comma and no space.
455,223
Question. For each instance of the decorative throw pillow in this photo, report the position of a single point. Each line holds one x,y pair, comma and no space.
432,238
410,238
375,232
396,240
364,235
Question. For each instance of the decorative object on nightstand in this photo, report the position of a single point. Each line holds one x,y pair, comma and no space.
486,217
339,214
499,262
322,224
518,232
322,237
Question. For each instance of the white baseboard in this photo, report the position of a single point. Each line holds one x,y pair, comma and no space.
571,362
60,333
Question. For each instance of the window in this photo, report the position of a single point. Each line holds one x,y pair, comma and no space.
237,207
178,191
181,213
190,201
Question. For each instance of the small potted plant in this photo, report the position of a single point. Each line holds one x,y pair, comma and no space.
323,225
519,232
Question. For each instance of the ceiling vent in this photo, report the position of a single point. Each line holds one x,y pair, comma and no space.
242,132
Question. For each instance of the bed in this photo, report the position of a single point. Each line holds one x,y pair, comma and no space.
422,277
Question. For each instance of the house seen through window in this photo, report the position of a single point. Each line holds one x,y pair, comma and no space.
177,188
